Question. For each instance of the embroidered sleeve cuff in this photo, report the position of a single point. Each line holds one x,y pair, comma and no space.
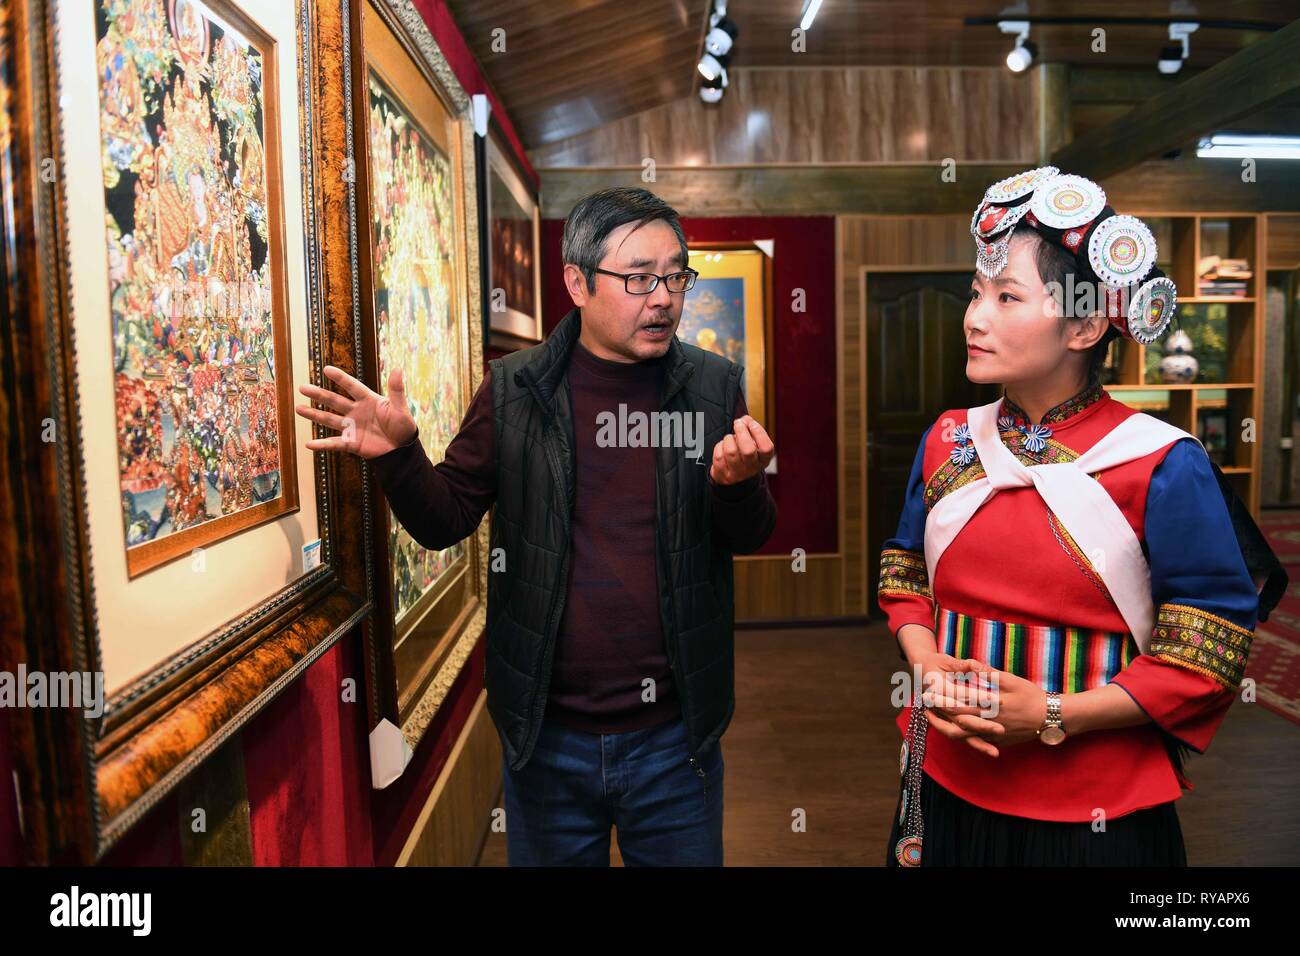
904,590
903,573
1202,642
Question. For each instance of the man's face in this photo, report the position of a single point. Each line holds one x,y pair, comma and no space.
1012,325
616,324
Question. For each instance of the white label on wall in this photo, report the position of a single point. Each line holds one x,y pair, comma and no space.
310,555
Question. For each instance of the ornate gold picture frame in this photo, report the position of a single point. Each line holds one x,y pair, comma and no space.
178,653
419,279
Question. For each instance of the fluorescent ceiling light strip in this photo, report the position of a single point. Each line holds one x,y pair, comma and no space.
1247,146
810,15
1247,139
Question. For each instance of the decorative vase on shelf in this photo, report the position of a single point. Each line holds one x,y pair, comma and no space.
1179,366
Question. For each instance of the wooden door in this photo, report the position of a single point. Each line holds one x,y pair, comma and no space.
916,368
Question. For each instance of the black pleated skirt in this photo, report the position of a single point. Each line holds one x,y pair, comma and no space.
958,833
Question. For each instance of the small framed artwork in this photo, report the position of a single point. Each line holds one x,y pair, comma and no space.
177,276
418,237
514,289
729,311
1212,430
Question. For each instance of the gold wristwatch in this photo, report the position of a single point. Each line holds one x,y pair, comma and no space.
1053,731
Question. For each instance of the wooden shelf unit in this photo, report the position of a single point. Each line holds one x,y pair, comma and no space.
1183,239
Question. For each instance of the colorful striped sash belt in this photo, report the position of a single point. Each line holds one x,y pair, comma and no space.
1066,660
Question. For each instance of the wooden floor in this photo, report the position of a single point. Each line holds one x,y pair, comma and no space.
813,731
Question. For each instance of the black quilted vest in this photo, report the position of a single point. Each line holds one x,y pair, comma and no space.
534,432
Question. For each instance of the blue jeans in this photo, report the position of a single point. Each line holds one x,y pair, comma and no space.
576,785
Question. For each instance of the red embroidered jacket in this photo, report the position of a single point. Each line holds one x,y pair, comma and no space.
1013,586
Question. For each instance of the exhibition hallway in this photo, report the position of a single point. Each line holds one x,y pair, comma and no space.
441,433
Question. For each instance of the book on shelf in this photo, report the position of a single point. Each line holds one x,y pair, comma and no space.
1218,276
1236,289
1217,267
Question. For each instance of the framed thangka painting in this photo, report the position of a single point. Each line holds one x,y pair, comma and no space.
729,311
514,236
189,123
179,262
412,219
418,243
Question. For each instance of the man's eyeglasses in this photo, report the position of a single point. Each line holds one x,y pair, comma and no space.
643,283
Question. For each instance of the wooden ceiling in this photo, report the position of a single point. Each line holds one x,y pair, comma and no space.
572,65
924,32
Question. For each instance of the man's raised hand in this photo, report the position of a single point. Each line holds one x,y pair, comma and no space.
369,424
742,454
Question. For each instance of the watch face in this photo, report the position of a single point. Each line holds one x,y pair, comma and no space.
1051,735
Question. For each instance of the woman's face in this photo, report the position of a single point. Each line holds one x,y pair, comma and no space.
1012,325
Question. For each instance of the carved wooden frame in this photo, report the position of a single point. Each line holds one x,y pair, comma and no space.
84,781
451,630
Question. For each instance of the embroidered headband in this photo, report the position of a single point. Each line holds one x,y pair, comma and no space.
1118,252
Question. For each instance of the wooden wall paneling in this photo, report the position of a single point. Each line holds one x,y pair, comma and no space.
916,189
1282,236
1053,126
856,115
767,588
788,190
455,818
851,368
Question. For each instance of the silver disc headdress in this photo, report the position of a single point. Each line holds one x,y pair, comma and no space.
1117,252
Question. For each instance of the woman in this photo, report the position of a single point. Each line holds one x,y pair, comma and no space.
1068,651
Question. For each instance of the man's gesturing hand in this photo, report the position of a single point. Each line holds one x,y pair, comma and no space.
741,455
370,424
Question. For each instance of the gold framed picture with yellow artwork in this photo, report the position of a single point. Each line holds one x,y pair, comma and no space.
421,311
729,312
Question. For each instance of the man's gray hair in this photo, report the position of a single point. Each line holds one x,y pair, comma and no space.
596,216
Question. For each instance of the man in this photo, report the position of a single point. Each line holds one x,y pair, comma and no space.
610,632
